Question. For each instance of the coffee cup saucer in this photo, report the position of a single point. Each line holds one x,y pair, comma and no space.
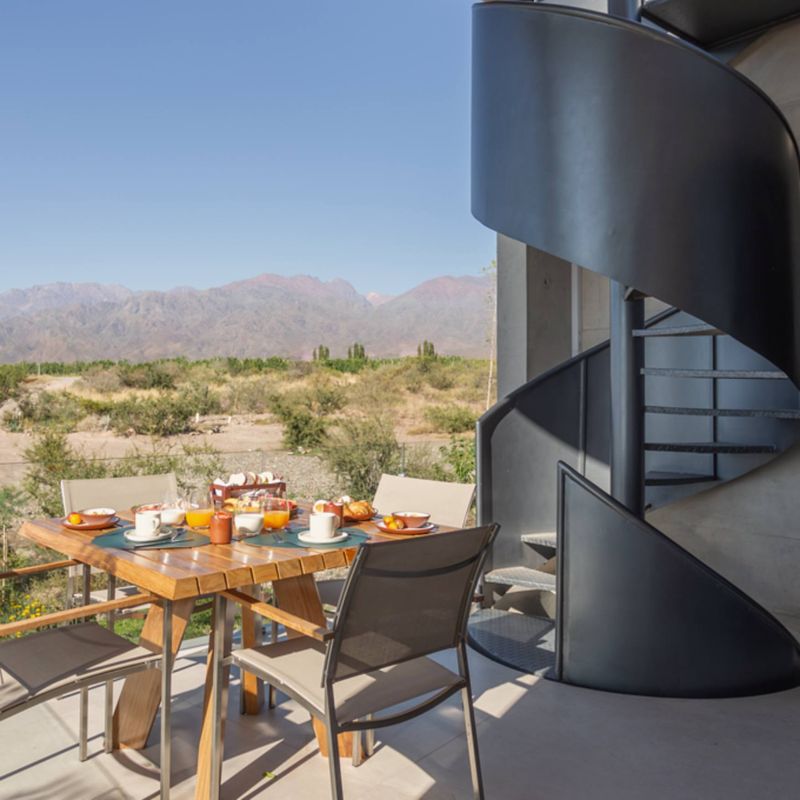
164,533
308,538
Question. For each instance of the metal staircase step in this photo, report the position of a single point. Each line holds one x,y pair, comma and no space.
773,413
747,374
708,447
678,330
524,577
548,539
656,478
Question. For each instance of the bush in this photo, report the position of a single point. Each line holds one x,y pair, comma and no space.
360,451
51,459
459,458
152,375
450,419
302,429
103,381
59,410
153,416
11,376
248,396
200,399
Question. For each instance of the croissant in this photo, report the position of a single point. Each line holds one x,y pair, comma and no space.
359,509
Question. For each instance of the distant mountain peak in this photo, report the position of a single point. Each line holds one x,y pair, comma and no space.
265,315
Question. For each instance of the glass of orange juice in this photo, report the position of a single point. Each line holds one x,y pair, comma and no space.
199,510
276,513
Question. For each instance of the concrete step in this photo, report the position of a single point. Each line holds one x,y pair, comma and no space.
772,413
658,478
678,330
524,577
729,374
548,539
709,447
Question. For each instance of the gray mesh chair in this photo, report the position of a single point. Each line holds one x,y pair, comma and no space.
58,661
402,602
448,504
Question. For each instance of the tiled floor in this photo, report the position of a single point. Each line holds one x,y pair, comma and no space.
538,740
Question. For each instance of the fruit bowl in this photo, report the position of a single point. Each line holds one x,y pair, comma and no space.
97,516
412,519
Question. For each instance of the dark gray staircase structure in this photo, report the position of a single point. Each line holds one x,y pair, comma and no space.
687,191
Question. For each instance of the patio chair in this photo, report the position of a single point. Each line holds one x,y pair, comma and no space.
119,494
58,661
447,503
402,602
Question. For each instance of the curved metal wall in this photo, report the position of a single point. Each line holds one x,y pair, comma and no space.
634,155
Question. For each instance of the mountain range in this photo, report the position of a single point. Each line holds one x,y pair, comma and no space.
261,316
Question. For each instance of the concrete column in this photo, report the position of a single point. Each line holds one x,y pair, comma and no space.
534,313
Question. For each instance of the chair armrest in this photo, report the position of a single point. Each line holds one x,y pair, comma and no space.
56,617
35,569
298,624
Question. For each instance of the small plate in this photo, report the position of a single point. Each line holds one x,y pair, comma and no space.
90,526
306,538
406,531
132,537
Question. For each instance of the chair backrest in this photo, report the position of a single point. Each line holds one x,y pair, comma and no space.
405,599
447,503
118,493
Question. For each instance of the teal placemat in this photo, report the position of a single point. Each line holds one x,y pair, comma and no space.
289,540
117,539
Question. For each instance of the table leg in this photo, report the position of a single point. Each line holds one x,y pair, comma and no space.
299,596
208,779
141,692
252,687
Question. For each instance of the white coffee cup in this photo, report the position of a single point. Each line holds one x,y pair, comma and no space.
148,524
323,525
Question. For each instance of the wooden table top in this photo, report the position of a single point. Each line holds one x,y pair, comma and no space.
190,572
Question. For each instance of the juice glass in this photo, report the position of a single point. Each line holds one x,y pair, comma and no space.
199,510
276,513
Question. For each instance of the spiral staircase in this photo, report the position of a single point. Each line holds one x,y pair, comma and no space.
632,149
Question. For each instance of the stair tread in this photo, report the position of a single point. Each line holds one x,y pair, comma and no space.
678,330
664,478
776,413
549,538
745,374
709,447
525,577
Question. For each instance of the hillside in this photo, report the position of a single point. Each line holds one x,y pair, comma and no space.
262,316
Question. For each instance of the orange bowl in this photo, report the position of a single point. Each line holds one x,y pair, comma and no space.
97,516
412,519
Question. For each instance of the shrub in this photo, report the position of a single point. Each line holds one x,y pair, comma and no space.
152,375
252,396
302,429
200,399
11,376
459,458
59,410
360,451
103,381
51,459
450,419
153,416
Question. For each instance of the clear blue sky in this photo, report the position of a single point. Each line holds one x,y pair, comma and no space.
193,142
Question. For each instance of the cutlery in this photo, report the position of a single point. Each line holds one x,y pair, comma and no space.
177,536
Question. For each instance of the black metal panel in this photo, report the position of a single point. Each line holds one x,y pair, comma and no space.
627,152
638,614
712,23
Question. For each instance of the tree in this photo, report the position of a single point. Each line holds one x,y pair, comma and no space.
10,504
357,352
426,350
322,353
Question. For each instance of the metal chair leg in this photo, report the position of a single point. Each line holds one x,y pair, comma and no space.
337,793
369,739
83,725
166,700
271,693
83,713
358,756
108,741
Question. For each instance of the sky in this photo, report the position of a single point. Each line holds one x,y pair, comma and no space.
193,142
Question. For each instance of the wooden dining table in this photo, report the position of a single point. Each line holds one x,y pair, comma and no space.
185,575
